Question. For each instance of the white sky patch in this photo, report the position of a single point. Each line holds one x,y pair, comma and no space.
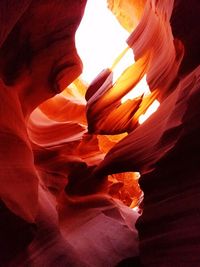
126,61
140,89
154,106
99,39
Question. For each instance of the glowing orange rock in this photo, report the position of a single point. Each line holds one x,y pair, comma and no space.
55,183
165,149
157,55
34,65
128,12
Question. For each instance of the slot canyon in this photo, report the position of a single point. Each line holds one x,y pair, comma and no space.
99,149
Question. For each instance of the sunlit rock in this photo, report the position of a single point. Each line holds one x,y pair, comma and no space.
73,155
128,12
164,149
157,55
34,65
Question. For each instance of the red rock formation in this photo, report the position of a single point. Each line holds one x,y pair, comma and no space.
57,191
46,152
128,12
165,149
101,228
169,166
157,54
65,162
34,65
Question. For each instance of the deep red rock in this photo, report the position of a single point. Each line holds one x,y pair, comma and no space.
45,154
56,206
165,150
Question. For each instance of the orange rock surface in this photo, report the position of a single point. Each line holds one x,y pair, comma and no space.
71,154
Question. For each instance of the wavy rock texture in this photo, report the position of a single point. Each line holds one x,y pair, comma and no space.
64,162
157,54
169,166
46,153
24,85
128,13
65,154
101,228
165,148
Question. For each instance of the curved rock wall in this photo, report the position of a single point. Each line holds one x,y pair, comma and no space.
68,151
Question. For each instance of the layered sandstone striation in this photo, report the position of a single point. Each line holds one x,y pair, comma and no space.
71,153
52,213
165,148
